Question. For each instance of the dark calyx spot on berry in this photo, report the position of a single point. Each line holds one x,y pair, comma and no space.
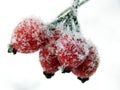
65,71
48,75
83,80
52,29
12,50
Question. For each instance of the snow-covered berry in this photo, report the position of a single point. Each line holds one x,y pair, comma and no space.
71,50
89,66
28,36
48,59
54,33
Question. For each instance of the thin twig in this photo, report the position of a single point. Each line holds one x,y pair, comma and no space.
83,2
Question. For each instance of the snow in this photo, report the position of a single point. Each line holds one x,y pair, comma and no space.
99,21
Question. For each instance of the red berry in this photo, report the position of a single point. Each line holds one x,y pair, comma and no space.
48,59
71,50
54,33
89,66
28,36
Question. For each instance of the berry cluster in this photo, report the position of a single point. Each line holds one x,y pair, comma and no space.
57,48
60,44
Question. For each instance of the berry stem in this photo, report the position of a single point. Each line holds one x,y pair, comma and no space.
83,2
75,5
65,12
78,3
77,25
68,18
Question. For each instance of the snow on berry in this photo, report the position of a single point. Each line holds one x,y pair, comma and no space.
28,36
48,59
53,33
89,66
71,50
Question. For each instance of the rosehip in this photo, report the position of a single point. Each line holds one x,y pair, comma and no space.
89,66
48,59
54,33
28,36
71,50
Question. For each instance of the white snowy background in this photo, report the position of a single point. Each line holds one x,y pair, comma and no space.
100,22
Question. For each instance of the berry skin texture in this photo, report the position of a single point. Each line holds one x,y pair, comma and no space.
54,33
89,66
28,36
71,51
48,59
51,35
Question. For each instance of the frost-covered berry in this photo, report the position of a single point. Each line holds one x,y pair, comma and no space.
89,66
54,33
71,50
28,36
48,59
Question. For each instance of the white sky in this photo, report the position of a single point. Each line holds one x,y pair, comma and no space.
100,22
